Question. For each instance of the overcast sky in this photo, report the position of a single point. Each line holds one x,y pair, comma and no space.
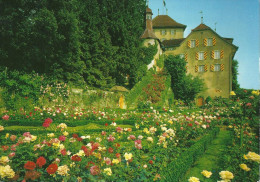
238,19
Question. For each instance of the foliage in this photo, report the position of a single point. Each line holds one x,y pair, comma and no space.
235,84
95,42
185,87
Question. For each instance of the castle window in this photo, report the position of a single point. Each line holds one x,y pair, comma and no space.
149,17
192,43
173,32
201,55
201,68
209,42
163,32
217,67
216,54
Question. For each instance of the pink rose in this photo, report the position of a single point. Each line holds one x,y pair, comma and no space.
94,170
5,117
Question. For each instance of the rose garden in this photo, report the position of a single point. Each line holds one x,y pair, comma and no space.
72,143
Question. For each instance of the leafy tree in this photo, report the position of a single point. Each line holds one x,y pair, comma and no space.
185,87
235,84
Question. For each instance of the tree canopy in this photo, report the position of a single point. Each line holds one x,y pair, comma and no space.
95,42
185,87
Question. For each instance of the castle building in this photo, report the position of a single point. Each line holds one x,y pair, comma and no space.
208,55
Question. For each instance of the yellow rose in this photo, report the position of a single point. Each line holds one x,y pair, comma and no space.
194,179
1,128
253,156
63,170
7,135
50,135
206,173
33,138
65,133
108,171
226,175
232,93
115,161
170,121
128,156
6,171
244,167
4,159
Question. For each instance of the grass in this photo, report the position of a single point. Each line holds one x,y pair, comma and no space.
210,160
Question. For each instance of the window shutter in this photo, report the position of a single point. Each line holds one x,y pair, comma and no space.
197,56
205,42
214,41
205,55
222,54
212,54
206,68
196,68
186,56
212,67
222,67
189,43
197,43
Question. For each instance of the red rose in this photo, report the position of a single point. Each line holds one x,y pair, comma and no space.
150,162
41,161
52,168
79,139
110,150
118,155
30,165
48,120
75,158
117,145
90,163
63,152
5,147
62,138
190,124
74,135
106,124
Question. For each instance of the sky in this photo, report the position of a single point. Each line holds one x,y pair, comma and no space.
238,19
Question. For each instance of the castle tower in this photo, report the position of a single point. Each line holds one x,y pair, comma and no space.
150,38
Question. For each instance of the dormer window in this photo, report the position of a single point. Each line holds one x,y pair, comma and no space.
148,17
173,32
163,32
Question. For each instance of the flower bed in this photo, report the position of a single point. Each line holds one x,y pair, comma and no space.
115,153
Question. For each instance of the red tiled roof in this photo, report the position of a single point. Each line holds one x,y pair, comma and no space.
201,27
164,21
148,10
148,34
172,43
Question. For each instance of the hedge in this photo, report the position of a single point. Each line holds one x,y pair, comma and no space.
177,168
71,123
